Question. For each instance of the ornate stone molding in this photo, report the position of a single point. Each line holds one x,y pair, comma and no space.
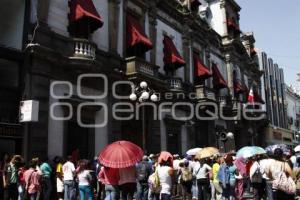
222,4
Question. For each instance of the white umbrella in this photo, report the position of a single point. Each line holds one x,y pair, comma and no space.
297,148
193,152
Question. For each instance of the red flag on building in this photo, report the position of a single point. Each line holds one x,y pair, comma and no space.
251,96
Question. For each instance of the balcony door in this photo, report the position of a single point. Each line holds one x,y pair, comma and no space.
173,131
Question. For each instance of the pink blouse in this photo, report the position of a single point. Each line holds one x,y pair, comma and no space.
33,185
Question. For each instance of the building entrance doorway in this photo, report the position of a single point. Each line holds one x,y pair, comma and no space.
80,141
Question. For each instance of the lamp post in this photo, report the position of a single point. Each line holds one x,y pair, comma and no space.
143,93
223,136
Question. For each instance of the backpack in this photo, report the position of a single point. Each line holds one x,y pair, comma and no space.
154,182
142,172
186,175
284,183
257,176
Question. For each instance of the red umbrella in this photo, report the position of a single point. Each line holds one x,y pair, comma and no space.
165,157
120,154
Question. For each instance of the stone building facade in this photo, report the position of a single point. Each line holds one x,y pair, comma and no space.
72,54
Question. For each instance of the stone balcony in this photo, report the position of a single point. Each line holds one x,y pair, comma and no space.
174,84
84,49
204,93
135,66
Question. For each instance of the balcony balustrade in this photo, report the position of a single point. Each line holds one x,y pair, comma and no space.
135,65
84,49
174,83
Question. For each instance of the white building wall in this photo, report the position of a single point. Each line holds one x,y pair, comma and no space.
58,16
291,110
100,36
12,14
217,20
177,40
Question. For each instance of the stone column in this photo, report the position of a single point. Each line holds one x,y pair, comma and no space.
152,17
184,139
208,64
186,41
114,24
224,17
228,61
163,134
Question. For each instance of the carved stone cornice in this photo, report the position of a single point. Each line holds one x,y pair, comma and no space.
222,4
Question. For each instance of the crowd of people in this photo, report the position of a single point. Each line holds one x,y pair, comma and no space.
221,176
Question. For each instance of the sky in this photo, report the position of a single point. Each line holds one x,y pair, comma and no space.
276,27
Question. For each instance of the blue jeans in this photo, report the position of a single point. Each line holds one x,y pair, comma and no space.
142,191
112,192
46,188
228,192
269,190
21,190
70,190
85,190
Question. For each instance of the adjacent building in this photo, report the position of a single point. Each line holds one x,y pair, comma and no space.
274,94
293,111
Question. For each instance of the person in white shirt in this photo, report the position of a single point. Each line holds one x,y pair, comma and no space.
201,172
69,183
84,181
165,173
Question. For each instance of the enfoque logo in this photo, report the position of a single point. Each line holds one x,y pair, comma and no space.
123,110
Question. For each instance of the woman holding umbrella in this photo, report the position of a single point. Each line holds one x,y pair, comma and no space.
110,178
201,171
118,155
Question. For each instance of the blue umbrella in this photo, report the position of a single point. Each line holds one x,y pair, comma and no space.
286,150
259,150
246,152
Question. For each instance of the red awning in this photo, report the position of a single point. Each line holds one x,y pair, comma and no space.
171,56
218,80
238,87
201,70
135,35
83,14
